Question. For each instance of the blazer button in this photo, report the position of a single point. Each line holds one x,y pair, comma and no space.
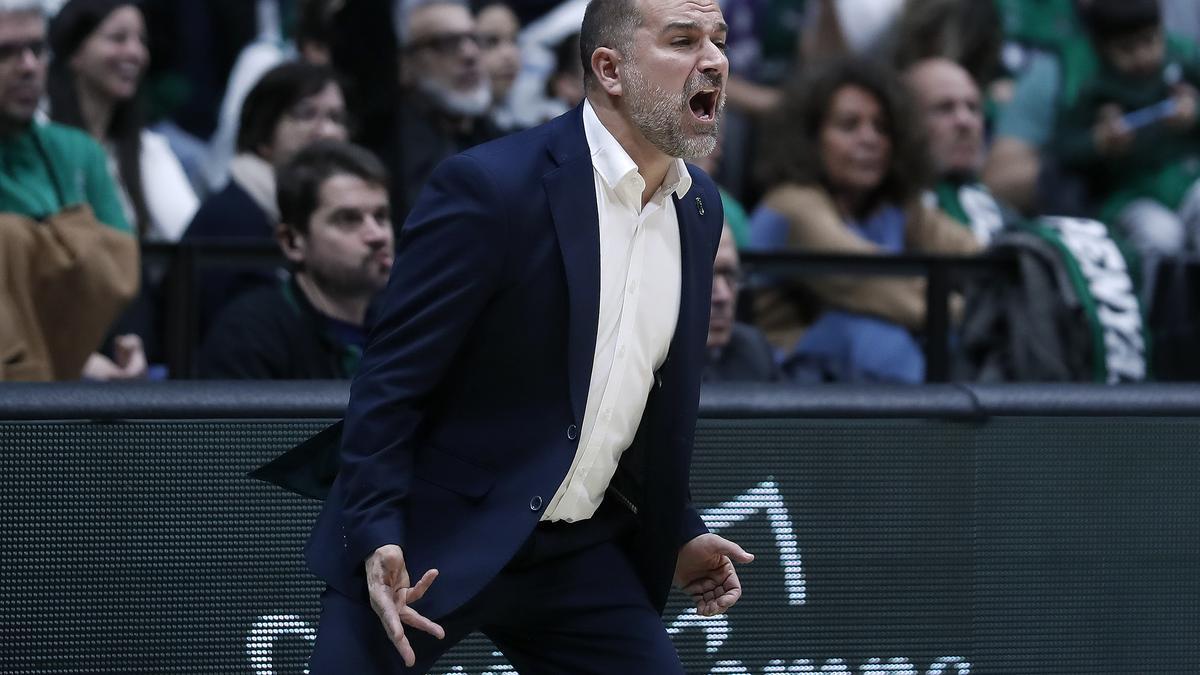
572,432
535,503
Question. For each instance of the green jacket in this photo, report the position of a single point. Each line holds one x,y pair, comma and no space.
1161,163
50,167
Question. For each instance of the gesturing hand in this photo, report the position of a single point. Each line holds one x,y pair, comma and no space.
705,571
391,593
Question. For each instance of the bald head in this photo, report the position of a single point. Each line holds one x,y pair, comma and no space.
951,108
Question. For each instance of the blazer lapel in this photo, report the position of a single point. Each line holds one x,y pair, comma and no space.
692,265
570,190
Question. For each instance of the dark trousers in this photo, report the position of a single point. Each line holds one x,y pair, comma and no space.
557,608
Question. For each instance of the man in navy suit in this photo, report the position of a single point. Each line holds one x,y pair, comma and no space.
521,425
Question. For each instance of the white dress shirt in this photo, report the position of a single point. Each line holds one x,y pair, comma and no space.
639,305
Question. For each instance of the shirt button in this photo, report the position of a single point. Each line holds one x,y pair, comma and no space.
572,432
535,503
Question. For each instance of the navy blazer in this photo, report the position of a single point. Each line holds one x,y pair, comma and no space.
464,416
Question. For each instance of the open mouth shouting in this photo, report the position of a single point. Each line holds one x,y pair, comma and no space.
703,104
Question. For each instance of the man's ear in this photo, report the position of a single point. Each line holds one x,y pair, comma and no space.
606,66
292,243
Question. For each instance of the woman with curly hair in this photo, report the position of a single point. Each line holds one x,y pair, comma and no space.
847,168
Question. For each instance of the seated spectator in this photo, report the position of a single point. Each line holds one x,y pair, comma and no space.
737,352
336,232
1086,320
445,94
293,105
67,254
100,56
272,46
1132,131
847,171
950,105
498,28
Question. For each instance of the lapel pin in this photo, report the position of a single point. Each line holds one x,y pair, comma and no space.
700,205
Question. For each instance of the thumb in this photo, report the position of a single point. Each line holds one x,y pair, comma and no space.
736,553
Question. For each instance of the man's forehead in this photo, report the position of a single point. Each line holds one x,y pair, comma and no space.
21,25
347,189
440,18
938,81
664,14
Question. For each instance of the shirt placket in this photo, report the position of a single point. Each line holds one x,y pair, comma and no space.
626,321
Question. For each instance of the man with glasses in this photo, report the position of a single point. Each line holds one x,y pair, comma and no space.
39,161
446,94
737,352
65,238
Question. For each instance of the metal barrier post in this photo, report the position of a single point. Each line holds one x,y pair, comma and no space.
937,323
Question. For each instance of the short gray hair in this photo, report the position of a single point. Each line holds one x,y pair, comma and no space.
23,7
403,9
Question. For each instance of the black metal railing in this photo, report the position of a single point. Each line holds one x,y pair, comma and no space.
186,261
942,273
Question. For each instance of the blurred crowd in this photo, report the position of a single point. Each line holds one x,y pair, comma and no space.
1062,135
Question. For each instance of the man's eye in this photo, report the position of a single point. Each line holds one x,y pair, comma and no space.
681,42
720,44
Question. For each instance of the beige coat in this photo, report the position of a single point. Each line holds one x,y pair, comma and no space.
815,226
63,283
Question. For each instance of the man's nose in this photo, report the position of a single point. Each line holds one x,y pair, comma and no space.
469,49
377,231
713,61
722,291
963,116
29,59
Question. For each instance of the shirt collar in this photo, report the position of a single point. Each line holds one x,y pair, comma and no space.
615,166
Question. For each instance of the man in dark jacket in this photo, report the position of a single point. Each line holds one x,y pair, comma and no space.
336,231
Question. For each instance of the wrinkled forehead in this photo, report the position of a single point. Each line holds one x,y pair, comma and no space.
661,15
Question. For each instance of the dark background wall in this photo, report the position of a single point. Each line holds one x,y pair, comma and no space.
925,530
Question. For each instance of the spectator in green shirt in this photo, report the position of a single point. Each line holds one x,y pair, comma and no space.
43,167
47,168
1133,130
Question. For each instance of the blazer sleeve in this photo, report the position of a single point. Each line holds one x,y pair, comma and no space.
449,263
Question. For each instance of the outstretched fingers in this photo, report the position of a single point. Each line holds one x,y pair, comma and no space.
388,611
412,617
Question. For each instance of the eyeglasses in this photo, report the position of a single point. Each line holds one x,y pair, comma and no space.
309,115
11,51
489,41
446,44
733,278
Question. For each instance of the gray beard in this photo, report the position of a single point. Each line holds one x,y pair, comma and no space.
468,104
658,115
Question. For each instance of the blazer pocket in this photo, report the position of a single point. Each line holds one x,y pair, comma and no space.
453,473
